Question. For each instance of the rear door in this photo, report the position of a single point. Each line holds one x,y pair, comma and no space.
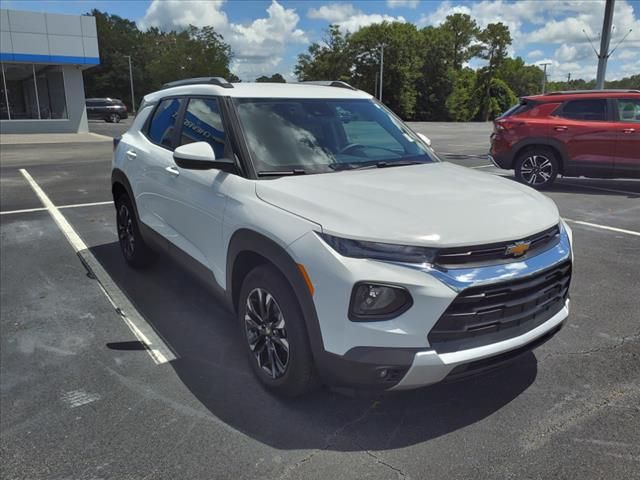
197,198
585,128
92,109
155,167
627,150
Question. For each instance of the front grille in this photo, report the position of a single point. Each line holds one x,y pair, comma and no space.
493,253
495,312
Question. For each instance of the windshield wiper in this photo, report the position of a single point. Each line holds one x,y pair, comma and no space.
281,173
378,164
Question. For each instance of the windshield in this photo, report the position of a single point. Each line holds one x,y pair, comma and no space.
318,135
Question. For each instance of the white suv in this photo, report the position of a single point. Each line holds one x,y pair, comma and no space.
350,253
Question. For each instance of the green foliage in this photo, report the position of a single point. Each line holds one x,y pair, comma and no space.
461,105
275,78
402,63
461,30
157,57
329,60
437,74
523,79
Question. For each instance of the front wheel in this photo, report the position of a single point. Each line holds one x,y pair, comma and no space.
537,167
274,333
113,118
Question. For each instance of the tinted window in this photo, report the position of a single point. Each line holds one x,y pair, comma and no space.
163,122
522,107
590,110
629,110
203,123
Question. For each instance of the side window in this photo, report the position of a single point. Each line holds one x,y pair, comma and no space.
629,110
590,110
163,123
203,123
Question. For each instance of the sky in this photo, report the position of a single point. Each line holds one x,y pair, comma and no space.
267,35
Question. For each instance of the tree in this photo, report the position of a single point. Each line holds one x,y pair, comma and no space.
275,78
495,39
437,74
329,60
402,63
157,57
522,79
462,30
461,104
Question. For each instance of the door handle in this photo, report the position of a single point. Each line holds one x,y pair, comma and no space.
172,171
629,130
131,154
561,128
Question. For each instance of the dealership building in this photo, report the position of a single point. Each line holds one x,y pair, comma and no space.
42,56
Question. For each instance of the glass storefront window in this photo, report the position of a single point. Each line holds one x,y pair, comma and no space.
32,92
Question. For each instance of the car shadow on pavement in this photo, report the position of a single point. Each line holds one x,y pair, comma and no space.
211,363
593,186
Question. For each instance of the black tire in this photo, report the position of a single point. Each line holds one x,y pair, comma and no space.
134,250
537,167
271,333
113,118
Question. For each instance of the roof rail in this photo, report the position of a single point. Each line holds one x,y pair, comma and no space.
219,81
330,83
611,90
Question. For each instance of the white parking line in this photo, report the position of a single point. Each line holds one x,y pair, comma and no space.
43,209
604,227
156,346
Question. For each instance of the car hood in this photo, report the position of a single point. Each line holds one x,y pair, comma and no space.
438,204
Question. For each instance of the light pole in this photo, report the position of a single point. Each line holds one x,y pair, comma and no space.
381,68
544,75
133,98
603,56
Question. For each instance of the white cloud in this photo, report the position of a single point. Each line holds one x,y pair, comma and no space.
334,12
258,46
535,54
349,18
402,3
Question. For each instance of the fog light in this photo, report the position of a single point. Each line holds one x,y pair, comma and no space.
374,301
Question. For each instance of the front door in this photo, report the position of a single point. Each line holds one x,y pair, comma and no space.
627,152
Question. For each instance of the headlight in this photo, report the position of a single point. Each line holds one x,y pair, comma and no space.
374,301
380,251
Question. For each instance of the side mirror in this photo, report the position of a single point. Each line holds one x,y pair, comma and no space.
425,139
200,156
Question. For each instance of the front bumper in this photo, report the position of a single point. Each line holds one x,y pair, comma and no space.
429,367
396,353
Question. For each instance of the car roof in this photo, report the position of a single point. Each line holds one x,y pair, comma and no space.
102,99
582,94
261,90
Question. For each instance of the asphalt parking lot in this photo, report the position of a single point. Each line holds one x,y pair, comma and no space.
82,398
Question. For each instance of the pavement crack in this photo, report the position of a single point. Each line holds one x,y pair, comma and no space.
329,441
607,348
400,473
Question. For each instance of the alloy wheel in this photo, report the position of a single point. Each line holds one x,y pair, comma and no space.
114,117
266,333
125,231
536,169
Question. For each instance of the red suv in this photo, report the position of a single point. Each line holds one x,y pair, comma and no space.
594,133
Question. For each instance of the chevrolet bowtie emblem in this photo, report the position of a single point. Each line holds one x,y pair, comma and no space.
517,249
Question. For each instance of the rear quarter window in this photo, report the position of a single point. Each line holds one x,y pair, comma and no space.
163,122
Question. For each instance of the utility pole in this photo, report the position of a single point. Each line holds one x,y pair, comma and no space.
605,39
544,76
381,68
568,78
133,98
